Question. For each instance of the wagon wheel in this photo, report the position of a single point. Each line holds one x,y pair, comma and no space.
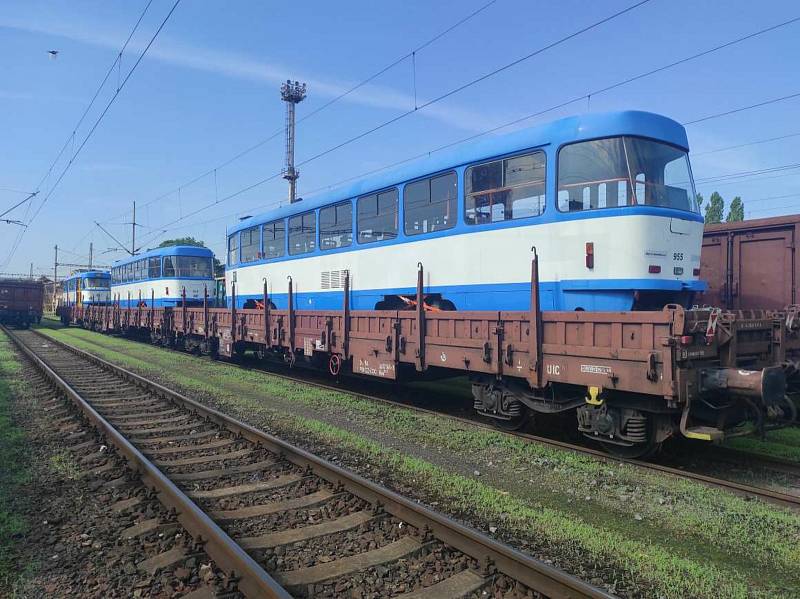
516,423
640,451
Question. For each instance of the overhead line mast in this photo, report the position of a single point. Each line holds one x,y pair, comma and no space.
292,93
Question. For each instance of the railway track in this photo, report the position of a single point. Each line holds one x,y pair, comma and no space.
732,456
278,520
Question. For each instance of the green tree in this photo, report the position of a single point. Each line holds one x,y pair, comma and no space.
219,269
736,211
182,241
715,209
700,200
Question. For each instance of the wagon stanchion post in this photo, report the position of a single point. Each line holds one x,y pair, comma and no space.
291,321
535,324
139,310
346,316
420,354
183,309
266,315
128,311
152,310
205,312
233,313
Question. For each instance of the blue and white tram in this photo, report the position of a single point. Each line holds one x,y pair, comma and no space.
92,287
161,276
608,200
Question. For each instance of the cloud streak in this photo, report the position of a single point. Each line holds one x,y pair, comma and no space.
242,67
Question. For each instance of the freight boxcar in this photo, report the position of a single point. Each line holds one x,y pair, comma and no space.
21,301
751,264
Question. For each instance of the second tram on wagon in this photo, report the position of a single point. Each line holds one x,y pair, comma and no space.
164,276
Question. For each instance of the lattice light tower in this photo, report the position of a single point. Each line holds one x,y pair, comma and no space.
292,93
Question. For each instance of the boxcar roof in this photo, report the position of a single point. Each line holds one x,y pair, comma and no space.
753,224
556,133
173,250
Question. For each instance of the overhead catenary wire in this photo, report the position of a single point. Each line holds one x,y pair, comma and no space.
750,179
523,118
749,173
31,195
117,59
93,128
770,198
9,190
742,109
572,101
437,99
278,132
575,99
745,145
71,136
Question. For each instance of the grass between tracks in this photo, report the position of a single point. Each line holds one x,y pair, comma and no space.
784,443
14,471
666,536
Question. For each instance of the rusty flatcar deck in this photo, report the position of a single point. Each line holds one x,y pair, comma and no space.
595,362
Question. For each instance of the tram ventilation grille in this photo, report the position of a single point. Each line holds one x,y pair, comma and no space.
333,279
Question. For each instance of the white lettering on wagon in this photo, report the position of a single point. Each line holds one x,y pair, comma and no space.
383,369
554,369
594,369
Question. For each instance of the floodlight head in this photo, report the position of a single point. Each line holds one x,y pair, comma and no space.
293,92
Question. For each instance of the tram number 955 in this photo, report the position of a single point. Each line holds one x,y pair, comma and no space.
677,255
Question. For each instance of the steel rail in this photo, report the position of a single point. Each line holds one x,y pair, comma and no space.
768,495
251,579
736,456
494,555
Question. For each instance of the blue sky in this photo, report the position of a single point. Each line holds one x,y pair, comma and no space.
208,89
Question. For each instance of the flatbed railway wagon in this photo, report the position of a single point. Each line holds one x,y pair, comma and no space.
751,264
632,379
21,301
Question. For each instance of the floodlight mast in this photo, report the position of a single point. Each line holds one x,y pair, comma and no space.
292,92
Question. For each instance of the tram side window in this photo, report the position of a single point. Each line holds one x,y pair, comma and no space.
274,239
302,233
251,244
505,189
154,268
233,249
193,266
168,268
430,205
336,226
377,216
